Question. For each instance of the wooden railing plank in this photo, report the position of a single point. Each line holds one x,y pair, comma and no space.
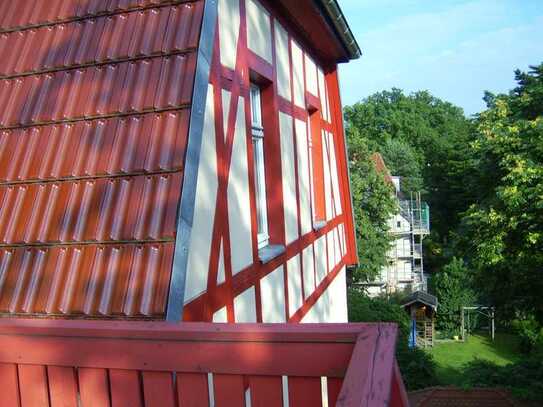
125,388
94,387
229,390
158,389
334,387
187,331
266,391
62,386
33,386
398,397
109,356
9,385
304,391
369,377
260,358
192,390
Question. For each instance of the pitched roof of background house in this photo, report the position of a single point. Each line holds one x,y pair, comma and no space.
381,167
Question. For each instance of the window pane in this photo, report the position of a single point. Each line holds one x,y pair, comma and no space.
258,158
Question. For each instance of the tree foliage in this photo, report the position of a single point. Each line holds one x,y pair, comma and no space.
502,231
454,292
422,139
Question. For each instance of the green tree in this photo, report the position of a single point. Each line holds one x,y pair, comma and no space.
502,232
374,204
453,292
401,158
425,140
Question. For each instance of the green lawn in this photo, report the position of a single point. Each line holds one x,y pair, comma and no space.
451,356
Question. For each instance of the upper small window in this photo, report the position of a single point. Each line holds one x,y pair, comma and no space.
257,131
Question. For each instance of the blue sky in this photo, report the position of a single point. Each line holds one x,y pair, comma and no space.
456,49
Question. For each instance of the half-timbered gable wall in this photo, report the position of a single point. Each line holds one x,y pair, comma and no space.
298,274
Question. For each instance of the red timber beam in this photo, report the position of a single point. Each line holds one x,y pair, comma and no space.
342,158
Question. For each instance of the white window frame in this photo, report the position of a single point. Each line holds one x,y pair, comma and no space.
257,132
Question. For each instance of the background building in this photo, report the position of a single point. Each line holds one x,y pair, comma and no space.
408,227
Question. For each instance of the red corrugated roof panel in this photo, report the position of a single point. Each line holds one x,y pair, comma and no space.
158,83
134,34
150,143
94,110
86,280
22,14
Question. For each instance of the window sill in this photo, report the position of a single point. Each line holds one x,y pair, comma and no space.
270,252
318,225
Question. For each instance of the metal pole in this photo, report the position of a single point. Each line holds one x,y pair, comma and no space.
462,329
492,323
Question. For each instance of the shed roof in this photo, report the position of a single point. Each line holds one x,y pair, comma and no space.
94,113
422,297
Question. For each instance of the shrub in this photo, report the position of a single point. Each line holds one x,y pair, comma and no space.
524,379
530,333
452,289
417,366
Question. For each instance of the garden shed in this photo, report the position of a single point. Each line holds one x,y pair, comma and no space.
421,307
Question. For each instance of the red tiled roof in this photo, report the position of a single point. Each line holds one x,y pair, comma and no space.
381,167
94,110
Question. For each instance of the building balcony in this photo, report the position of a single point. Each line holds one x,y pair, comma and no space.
198,364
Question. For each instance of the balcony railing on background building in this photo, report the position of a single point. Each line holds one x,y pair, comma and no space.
97,363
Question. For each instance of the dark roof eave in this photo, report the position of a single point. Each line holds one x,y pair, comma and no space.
340,25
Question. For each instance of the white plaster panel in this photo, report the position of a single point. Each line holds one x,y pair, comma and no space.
272,293
226,96
342,239
320,258
221,315
331,247
245,306
304,185
298,74
338,298
308,264
327,183
334,176
294,273
311,76
239,211
259,30
220,272
282,62
332,304
323,95
337,246
289,177
204,210
229,31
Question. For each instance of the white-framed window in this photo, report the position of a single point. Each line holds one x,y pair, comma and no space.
257,131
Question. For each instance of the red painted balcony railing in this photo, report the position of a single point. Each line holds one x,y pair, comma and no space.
96,363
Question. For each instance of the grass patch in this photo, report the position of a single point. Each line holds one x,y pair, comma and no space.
451,357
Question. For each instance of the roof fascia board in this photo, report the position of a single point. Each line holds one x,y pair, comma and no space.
339,23
185,213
